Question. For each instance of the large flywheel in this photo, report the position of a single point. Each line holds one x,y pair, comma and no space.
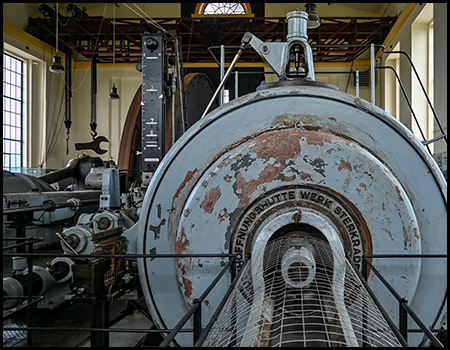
198,92
294,160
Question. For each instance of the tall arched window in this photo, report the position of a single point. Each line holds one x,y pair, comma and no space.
222,9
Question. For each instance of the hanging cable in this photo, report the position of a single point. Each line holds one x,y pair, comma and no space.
190,37
95,49
149,21
71,13
114,45
57,20
93,124
68,118
114,95
58,123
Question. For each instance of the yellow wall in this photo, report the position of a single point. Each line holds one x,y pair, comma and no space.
111,115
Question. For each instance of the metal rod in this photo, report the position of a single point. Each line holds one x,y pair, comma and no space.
193,310
46,207
180,75
20,308
214,317
179,325
407,101
99,320
378,304
60,236
403,318
222,71
174,84
372,73
236,84
440,330
30,288
20,245
421,85
222,83
119,330
386,283
357,83
197,321
245,42
126,256
405,256
410,311
216,280
416,318
36,239
434,139
344,45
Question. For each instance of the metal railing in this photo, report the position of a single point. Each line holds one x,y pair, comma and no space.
30,299
195,310
404,308
199,335
371,69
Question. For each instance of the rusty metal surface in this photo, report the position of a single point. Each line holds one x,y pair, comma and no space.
294,155
130,143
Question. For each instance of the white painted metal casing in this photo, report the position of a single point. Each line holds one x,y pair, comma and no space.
312,156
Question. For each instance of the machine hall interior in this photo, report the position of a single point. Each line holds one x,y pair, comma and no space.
224,174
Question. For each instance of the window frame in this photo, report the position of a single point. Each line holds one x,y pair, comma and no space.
18,124
200,8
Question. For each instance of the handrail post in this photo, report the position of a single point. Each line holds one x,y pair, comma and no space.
30,288
233,268
403,318
364,267
357,83
222,71
197,320
372,73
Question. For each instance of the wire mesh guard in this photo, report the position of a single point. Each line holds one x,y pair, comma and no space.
300,291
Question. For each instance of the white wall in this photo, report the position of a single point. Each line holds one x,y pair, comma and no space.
111,114
440,69
412,38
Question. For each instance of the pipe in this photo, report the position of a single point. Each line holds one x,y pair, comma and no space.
372,73
48,206
357,83
68,171
222,71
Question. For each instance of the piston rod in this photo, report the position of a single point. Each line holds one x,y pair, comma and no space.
47,206
245,42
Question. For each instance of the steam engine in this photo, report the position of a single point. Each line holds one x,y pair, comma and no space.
296,159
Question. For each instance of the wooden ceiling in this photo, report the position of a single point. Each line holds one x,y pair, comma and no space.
200,37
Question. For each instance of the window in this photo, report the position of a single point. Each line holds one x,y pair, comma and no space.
12,113
422,56
392,88
225,9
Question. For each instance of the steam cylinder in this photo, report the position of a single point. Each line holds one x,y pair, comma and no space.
303,159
